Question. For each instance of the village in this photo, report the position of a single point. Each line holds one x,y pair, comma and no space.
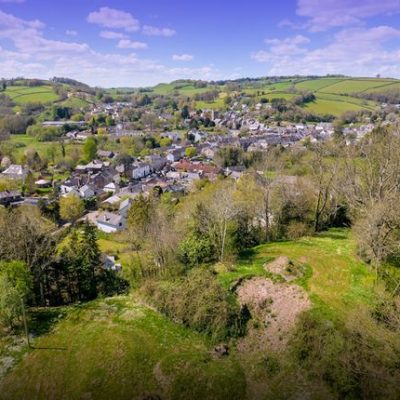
111,187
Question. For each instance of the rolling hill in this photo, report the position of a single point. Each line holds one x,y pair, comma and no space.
118,347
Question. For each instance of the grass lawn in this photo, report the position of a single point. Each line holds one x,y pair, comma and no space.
337,278
117,348
27,94
333,107
116,245
355,85
316,84
25,142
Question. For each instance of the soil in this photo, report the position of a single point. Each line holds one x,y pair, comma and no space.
275,308
285,268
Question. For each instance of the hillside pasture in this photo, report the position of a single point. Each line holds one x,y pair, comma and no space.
31,94
317,84
349,86
333,107
118,348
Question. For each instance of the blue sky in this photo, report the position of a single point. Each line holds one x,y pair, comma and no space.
135,43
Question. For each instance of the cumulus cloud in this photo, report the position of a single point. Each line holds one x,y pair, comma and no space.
35,55
131,44
182,57
115,19
357,51
326,14
112,35
154,31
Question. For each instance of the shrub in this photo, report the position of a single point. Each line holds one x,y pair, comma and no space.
200,302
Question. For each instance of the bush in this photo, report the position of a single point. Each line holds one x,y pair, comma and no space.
199,302
349,358
296,230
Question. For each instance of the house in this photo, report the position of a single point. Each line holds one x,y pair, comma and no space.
105,154
111,188
82,136
15,171
43,183
9,196
197,136
156,162
124,207
174,136
140,170
86,192
110,222
69,185
110,264
96,166
176,154
112,200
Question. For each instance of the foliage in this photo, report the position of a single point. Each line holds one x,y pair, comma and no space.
15,288
198,301
71,208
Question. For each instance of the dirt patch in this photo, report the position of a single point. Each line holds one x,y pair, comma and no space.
284,267
163,380
6,363
275,308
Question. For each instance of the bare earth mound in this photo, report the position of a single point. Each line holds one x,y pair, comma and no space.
274,308
286,268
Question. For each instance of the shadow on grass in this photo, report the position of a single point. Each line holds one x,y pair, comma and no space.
42,320
49,348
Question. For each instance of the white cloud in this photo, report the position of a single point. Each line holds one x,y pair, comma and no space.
154,31
182,57
112,18
323,15
34,55
112,35
130,44
71,32
353,51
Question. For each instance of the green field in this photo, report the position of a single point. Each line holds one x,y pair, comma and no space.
27,94
333,107
317,84
22,143
120,348
183,88
349,86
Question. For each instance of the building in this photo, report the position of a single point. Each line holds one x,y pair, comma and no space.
15,171
140,170
110,222
10,196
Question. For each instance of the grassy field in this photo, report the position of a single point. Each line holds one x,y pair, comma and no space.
317,84
333,107
25,142
27,94
117,348
337,279
120,348
349,86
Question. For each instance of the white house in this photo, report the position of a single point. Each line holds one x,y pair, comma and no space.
140,170
124,207
110,222
86,192
111,188
15,171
